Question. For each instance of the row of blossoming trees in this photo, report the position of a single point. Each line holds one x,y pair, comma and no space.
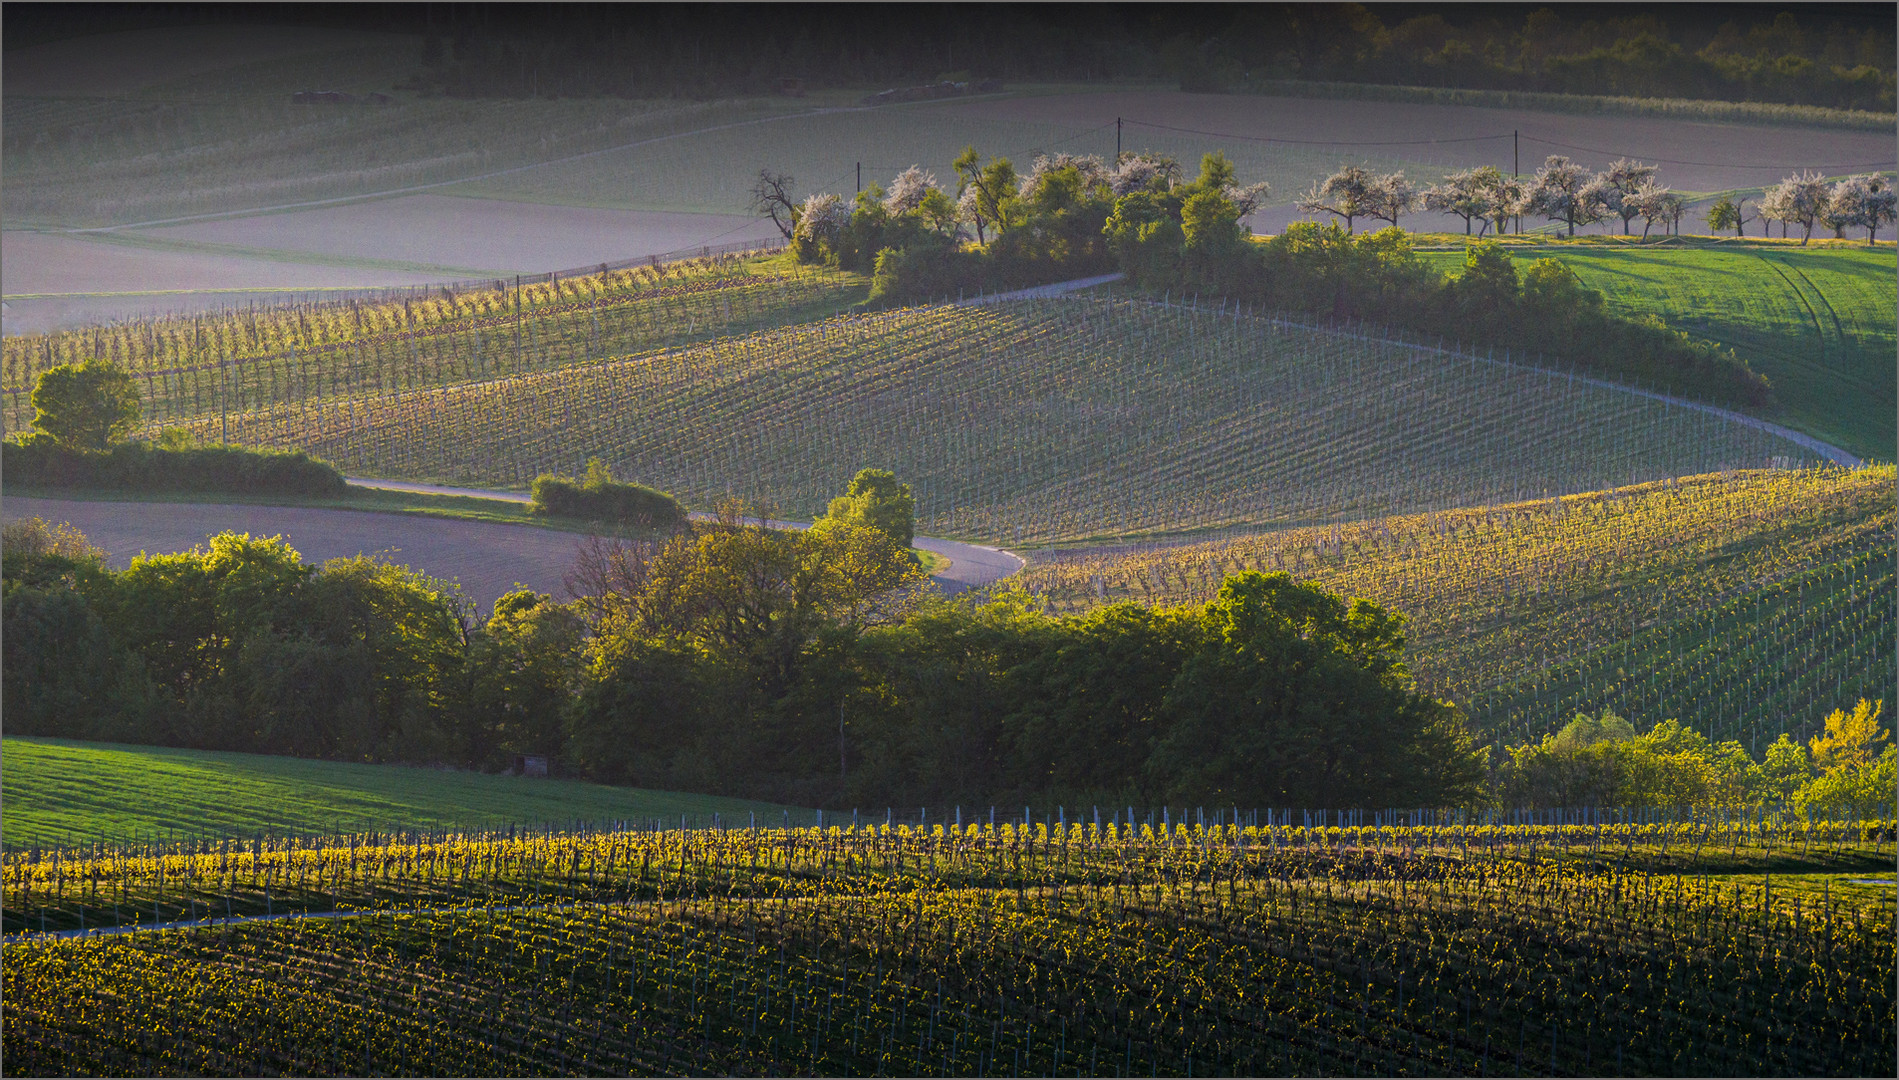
1567,193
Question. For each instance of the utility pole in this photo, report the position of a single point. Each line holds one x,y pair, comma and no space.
860,179
1516,167
1117,138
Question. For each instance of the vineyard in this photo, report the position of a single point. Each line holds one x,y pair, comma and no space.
1280,943
192,367
1028,421
1743,604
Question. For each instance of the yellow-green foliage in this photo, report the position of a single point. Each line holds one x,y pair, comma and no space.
1743,604
978,950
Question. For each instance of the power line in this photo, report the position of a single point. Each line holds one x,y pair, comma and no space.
1711,164
1317,142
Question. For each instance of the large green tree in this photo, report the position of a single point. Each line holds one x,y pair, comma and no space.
876,499
1301,699
86,406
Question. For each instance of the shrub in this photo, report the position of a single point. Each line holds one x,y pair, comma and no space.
45,463
598,497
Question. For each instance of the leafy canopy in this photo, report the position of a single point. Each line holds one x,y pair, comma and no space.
86,406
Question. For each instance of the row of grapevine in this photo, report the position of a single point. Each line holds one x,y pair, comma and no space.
1435,950
1038,421
192,366
1744,603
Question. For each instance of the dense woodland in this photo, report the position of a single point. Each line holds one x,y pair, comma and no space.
1832,55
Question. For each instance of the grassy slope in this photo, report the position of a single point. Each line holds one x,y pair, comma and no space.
1743,605
1818,321
58,789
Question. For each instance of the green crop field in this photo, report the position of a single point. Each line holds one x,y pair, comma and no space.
1277,945
1742,604
1025,422
1818,321
59,791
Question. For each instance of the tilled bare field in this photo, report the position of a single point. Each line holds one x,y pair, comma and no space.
1695,156
71,281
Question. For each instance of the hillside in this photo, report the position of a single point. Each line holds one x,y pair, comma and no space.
1817,321
1025,422
1743,604
294,354
59,792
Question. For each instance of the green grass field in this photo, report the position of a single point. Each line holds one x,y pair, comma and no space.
58,791
1818,321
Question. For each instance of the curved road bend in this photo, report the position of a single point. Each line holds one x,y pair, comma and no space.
971,565
487,558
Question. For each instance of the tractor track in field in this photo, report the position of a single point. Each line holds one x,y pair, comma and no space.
1819,330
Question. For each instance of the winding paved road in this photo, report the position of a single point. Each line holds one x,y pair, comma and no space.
487,558
971,565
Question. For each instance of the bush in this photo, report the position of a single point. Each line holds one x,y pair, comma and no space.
598,497
43,463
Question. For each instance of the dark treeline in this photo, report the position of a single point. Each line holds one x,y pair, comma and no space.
1833,55
806,667
1839,56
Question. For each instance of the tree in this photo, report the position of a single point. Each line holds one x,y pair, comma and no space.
1301,699
1628,178
1346,194
1210,223
908,191
1558,193
771,196
875,499
1726,213
821,224
1467,194
747,593
1144,171
1508,199
1863,202
1597,201
1488,284
1388,197
1850,739
1655,206
1798,200
87,406
985,193
523,664
1785,768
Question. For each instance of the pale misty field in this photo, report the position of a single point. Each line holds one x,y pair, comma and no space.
120,129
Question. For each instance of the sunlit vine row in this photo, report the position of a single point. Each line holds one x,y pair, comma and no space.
1442,949
1743,603
234,361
